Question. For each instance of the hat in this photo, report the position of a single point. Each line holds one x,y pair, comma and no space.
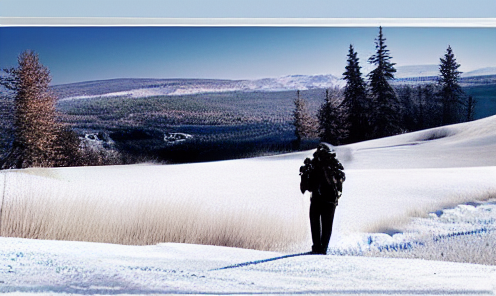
324,152
323,147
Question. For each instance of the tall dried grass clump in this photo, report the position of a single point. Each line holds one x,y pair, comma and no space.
137,209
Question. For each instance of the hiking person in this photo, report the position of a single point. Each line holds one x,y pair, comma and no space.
323,176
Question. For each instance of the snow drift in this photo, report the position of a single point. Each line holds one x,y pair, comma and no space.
253,203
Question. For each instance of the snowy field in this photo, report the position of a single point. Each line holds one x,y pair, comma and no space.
241,226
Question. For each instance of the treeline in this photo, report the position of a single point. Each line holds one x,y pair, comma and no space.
374,109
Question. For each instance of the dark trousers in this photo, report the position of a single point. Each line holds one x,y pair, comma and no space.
321,217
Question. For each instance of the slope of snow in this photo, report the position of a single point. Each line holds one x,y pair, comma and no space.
292,82
416,71
140,88
480,72
295,82
407,189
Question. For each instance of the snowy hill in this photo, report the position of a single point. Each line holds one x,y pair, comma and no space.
416,71
428,194
480,72
294,82
433,70
138,88
156,87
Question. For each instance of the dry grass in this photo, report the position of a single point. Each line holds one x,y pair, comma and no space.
39,204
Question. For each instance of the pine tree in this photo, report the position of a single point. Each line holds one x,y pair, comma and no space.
355,102
421,107
451,92
385,110
333,127
304,124
431,106
471,102
37,133
409,108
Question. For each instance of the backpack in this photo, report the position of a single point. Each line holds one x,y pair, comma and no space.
307,178
323,174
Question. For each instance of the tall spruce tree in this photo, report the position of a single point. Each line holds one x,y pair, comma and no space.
385,110
451,92
333,127
355,102
39,139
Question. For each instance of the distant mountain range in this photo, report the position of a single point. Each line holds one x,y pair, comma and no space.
480,72
158,87
433,70
137,88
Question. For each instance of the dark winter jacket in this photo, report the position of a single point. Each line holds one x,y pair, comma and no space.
326,189
323,176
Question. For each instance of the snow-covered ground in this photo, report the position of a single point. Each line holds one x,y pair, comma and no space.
52,267
428,194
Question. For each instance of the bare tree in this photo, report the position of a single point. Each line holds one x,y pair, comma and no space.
305,125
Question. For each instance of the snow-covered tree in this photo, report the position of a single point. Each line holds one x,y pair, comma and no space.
385,104
355,102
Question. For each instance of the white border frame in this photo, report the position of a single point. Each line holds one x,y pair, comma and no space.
245,22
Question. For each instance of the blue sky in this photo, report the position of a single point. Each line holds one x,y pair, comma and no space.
92,53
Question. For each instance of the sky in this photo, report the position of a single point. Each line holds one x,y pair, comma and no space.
75,54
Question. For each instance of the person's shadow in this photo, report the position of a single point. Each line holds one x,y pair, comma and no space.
264,260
